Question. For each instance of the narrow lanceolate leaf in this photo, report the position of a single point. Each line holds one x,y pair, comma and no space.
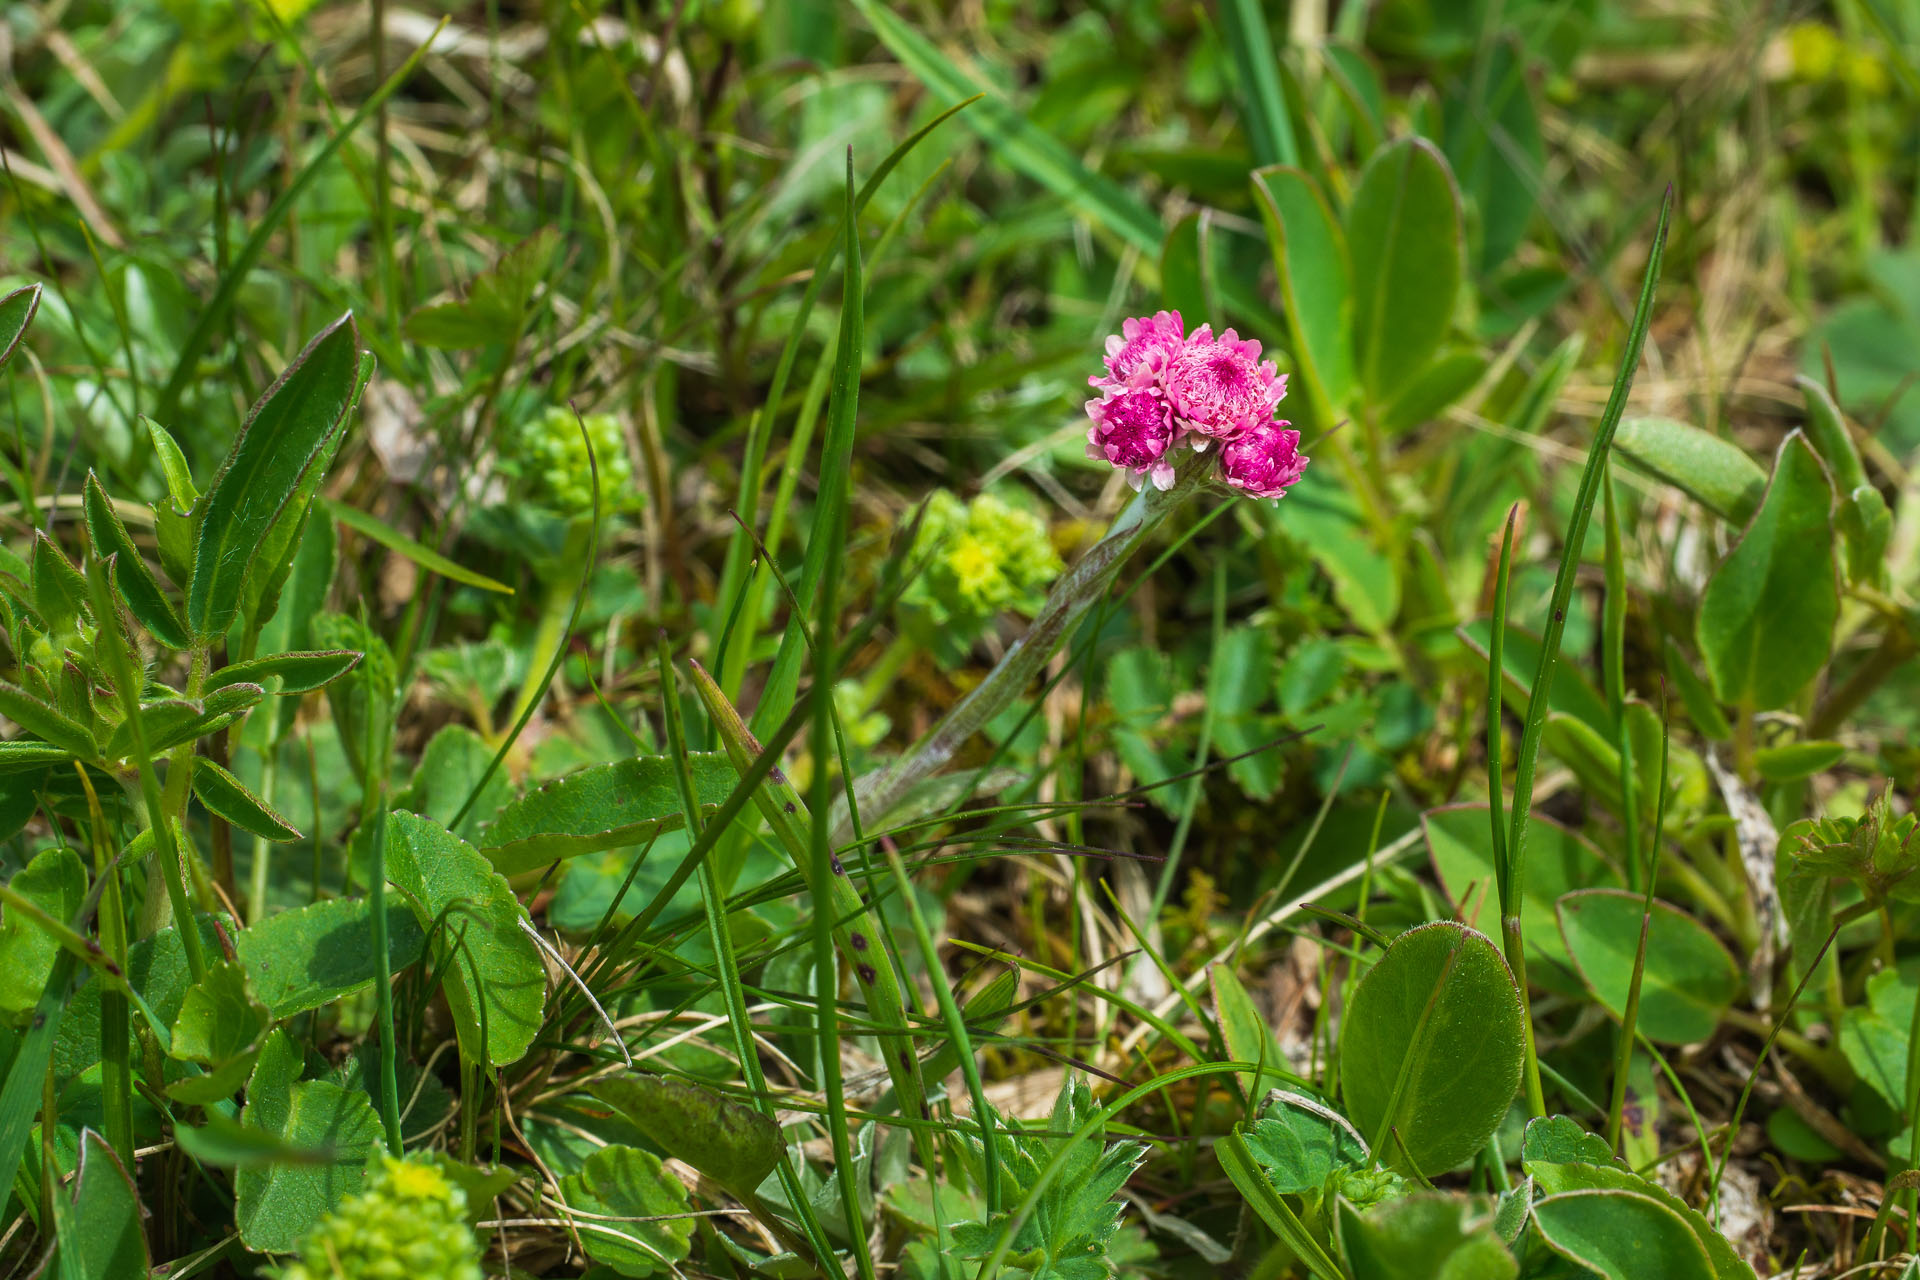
608,806
137,585
16,313
287,429
227,796
297,672
173,464
1766,622
371,526
43,722
219,709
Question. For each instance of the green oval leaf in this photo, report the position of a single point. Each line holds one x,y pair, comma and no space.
1606,1175
1795,760
227,796
1406,212
278,1203
1316,286
1689,979
1765,624
1559,860
1716,473
1433,389
1622,1236
728,1141
313,955
1431,1048
287,429
1423,1237
56,882
101,1234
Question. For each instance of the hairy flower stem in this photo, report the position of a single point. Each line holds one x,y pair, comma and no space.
1077,591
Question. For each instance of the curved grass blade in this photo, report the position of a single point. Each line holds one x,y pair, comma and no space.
371,526
186,365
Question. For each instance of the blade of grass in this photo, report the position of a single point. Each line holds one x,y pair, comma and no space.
1528,755
1263,105
1630,1015
214,313
830,525
727,971
739,548
1613,656
1017,140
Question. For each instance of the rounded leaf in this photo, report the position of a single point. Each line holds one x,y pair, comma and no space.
1621,1235
1431,1047
1689,980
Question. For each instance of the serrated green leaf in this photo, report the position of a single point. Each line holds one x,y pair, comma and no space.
643,1225
56,882
220,1026
287,429
474,926
278,1203
607,806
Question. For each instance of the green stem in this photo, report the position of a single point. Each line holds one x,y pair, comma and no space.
1077,591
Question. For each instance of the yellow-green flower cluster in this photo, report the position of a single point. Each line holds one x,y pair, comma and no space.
984,558
550,457
1819,54
410,1223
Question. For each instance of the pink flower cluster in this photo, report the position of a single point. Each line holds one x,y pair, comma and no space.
1166,390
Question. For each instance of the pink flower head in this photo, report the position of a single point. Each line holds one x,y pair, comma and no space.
1219,387
1133,429
1263,461
1143,343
